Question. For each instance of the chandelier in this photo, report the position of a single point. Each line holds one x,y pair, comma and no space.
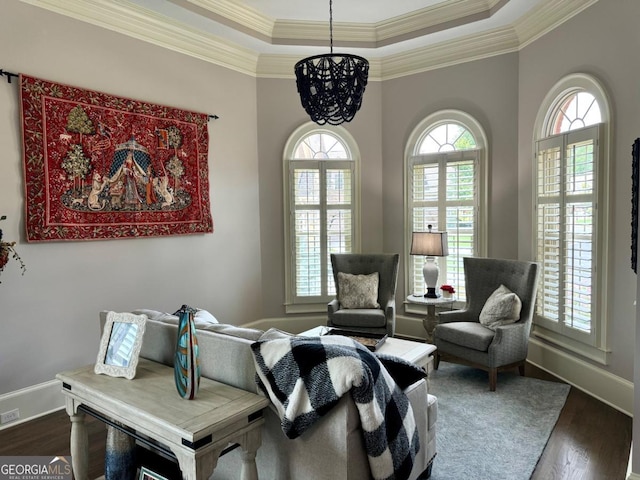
331,86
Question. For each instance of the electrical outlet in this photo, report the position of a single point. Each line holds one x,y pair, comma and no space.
10,416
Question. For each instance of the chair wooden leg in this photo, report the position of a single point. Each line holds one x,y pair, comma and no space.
436,361
521,370
493,379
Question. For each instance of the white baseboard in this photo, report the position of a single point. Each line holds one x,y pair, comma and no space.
630,474
597,382
32,401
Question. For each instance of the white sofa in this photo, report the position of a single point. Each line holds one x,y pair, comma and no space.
333,448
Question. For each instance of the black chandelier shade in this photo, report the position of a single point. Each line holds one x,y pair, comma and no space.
331,86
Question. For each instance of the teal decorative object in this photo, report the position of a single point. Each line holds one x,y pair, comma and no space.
186,365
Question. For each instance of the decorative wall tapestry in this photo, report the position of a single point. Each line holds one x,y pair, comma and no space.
98,166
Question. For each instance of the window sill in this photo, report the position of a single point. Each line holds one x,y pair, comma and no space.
596,354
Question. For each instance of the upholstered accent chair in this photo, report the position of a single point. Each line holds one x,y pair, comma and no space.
370,309
492,345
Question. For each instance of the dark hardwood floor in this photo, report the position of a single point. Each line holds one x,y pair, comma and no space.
591,440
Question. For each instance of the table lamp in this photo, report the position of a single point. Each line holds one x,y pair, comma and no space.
431,245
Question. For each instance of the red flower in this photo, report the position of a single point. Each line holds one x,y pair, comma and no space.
448,288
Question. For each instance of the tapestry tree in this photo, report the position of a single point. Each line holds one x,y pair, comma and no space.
76,165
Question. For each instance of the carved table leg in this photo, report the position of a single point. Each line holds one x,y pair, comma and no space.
79,447
200,468
250,443
430,322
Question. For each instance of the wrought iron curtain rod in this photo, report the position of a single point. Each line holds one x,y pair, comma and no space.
8,75
4,73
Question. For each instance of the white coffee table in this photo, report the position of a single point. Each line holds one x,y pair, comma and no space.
418,353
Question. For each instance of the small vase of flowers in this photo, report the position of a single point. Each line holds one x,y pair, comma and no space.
447,291
7,249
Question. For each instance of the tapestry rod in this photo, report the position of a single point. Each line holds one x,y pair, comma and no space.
8,74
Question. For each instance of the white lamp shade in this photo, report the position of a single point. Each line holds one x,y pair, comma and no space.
430,244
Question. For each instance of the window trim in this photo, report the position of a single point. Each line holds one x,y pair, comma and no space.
313,305
411,151
598,350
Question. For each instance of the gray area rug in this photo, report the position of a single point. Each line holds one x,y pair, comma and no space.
491,435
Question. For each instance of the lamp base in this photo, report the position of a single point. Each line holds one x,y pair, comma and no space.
431,293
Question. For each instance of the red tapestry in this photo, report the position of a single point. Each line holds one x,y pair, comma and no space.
98,166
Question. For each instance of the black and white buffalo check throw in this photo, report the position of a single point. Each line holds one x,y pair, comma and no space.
306,376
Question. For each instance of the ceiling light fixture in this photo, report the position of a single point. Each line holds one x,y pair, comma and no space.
331,86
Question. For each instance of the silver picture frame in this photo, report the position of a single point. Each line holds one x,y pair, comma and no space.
120,345
146,474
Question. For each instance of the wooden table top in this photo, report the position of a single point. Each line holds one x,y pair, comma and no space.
150,402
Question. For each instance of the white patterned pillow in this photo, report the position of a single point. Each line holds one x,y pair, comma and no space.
358,291
501,308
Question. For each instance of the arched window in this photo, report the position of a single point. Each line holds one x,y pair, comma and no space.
445,184
571,172
321,217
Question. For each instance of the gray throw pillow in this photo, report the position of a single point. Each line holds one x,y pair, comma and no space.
358,291
501,308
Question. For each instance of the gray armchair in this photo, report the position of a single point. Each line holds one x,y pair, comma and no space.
380,320
461,338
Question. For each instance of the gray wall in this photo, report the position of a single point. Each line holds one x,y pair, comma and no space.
49,316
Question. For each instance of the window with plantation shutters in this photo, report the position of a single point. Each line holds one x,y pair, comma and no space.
444,195
570,169
444,185
565,224
320,196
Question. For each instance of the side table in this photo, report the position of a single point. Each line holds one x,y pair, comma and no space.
430,321
195,431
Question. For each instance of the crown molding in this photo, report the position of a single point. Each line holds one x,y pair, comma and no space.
547,16
130,19
465,49
137,22
472,47
535,24
298,32
434,19
349,34
234,14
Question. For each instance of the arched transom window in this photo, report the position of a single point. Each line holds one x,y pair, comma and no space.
578,109
447,137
